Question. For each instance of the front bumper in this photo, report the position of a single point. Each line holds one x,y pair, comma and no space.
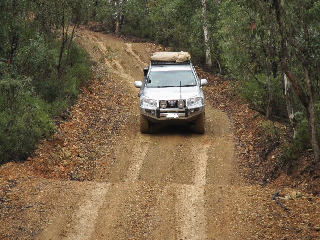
172,114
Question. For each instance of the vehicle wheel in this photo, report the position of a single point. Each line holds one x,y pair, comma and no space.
199,124
144,125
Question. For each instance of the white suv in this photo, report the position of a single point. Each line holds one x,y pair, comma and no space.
171,92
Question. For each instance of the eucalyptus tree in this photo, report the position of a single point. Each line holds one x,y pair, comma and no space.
187,25
249,51
16,26
270,41
59,19
299,29
206,34
36,77
136,21
111,13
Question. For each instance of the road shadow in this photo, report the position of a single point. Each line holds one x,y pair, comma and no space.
172,129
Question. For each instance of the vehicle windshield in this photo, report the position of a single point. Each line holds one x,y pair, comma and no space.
159,79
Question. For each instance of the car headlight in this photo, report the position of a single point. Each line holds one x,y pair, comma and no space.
148,103
195,102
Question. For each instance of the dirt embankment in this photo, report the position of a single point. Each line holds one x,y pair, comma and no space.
172,184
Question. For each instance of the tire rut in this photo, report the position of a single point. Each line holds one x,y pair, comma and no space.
168,185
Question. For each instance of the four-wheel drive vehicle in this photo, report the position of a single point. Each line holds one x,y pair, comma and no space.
171,92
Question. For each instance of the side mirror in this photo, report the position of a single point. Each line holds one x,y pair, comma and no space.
203,82
138,84
145,71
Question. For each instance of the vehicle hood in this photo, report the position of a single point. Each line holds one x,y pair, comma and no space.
174,93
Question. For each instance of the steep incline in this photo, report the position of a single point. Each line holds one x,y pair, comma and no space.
172,184
169,185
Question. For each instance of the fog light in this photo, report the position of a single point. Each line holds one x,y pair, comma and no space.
163,104
180,104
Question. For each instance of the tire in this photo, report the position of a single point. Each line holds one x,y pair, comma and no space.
199,124
144,125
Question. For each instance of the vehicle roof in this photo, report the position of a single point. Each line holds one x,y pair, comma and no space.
180,67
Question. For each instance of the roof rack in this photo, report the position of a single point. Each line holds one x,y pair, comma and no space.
169,63
170,57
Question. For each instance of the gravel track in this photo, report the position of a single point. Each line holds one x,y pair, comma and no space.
171,184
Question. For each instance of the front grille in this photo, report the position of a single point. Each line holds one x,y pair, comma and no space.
172,103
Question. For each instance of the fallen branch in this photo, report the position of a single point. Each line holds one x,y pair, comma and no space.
274,197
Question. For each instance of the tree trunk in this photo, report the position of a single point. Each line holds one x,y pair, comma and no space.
118,14
307,100
68,43
94,10
287,92
14,38
270,97
312,119
206,34
64,39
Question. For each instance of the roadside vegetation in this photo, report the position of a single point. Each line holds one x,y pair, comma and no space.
41,71
269,49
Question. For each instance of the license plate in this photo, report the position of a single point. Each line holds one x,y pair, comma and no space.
172,116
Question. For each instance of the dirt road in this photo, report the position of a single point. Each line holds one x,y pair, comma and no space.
171,184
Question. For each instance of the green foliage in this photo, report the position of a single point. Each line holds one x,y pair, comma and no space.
136,19
24,119
177,24
39,61
271,129
76,75
255,91
233,31
40,74
24,116
299,144
103,12
251,51
302,135
58,107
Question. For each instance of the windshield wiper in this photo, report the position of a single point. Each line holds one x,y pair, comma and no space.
191,85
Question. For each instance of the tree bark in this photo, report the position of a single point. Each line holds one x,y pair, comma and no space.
63,42
119,16
312,119
206,34
14,38
62,69
287,92
270,97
